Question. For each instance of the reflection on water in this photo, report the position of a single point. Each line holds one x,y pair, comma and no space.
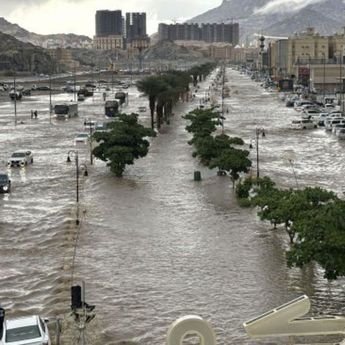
156,245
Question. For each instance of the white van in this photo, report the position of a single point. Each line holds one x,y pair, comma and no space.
303,124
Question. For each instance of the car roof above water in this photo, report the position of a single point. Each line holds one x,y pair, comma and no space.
21,322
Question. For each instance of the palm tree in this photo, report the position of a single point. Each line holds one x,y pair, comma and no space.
151,86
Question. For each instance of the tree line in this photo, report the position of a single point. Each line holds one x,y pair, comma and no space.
125,139
313,219
216,151
163,91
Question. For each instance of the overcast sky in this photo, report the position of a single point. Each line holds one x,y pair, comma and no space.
78,16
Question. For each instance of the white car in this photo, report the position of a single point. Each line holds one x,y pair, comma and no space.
81,138
341,134
330,122
303,124
29,330
21,158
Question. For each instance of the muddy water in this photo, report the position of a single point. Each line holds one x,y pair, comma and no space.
155,245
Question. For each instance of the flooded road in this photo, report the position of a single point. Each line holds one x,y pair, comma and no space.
155,245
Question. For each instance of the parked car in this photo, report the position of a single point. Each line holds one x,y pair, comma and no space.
330,122
81,138
28,330
101,127
42,88
142,109
21,158
5,183
303,124
341,134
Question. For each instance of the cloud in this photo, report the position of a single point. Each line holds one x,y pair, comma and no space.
285,6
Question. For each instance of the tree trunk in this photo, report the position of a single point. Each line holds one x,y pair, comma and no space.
159,114
152,101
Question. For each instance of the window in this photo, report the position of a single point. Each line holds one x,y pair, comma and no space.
22,333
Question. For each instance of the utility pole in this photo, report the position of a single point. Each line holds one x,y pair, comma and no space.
50,98
324,77
15,97
75,83
91,154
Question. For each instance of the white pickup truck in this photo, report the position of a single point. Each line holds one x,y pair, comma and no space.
20,158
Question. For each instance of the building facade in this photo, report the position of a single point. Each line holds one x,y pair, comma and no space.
312,59
113,32
109,23
211,33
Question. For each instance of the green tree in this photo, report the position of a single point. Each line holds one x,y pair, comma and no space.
209,147
124,143
234,161
321,239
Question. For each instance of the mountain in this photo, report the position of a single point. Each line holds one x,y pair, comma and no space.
298,22
19,56
45,41
254,16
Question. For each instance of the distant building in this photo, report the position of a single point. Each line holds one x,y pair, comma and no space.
314,60
228,33
136,36
110,42
109,30
64,57
109,23
114,32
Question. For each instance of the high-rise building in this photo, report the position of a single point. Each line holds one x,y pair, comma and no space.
109,23
135,26
207,32
109,30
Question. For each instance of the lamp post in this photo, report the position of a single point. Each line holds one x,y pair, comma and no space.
50,97
258,131
77,168
15,97
324,77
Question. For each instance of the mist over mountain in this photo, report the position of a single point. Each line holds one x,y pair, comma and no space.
277,17
45,41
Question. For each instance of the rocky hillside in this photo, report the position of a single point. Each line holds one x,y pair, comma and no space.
45,41
19,56
168,50
256,16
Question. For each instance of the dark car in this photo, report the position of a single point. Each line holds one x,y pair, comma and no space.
42,88
5,183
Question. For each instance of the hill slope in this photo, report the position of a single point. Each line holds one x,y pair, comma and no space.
19,56
62,40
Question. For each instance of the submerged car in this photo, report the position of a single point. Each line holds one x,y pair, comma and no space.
21,158
29,330
5,183
303,124
81,138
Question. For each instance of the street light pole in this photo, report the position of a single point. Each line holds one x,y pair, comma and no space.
50,98
258,131
77,167
15,97
91,154
324,76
